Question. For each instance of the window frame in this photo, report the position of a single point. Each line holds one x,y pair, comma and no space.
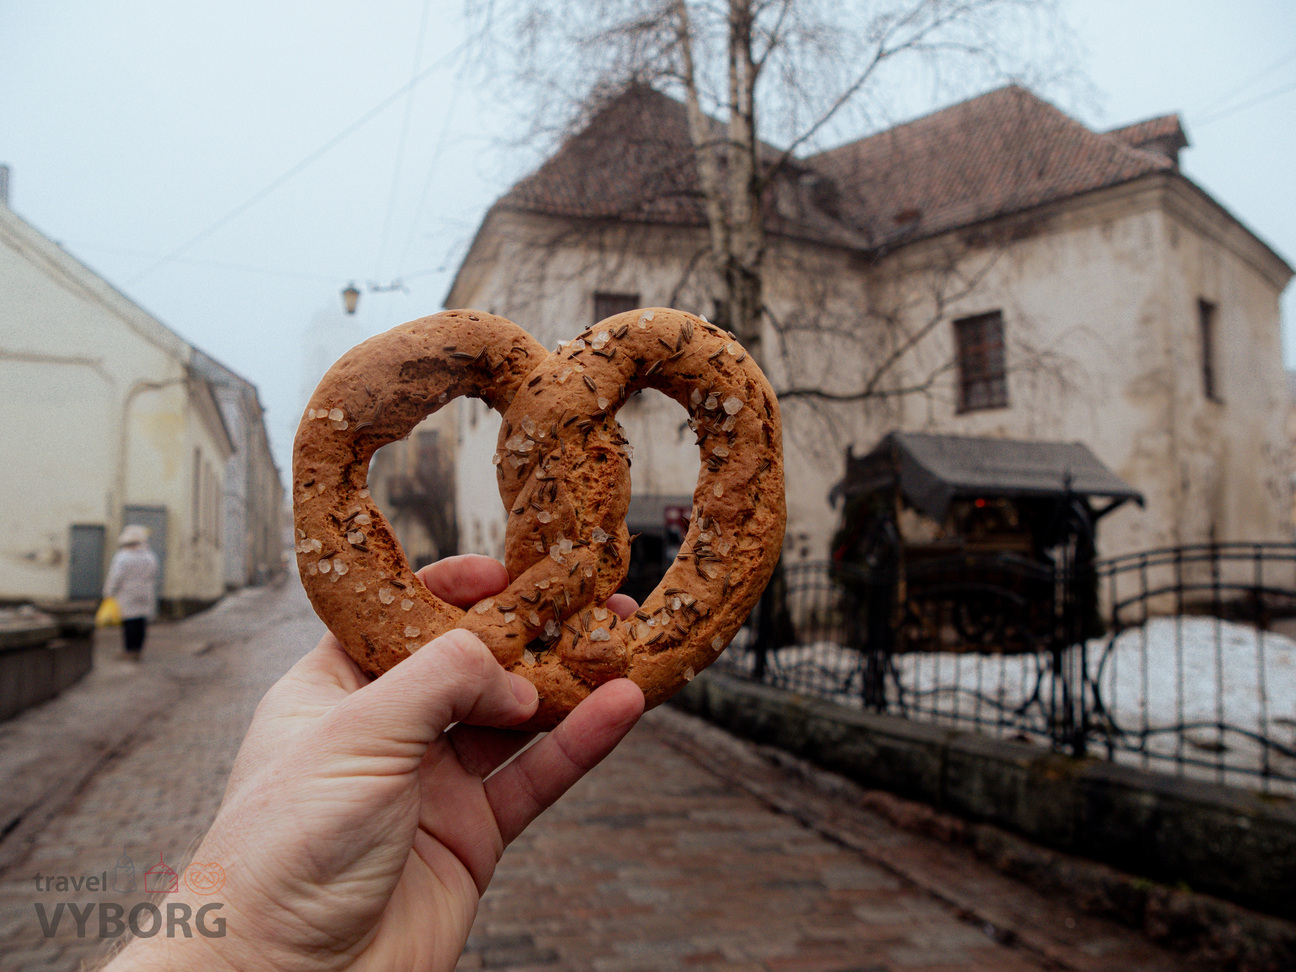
981,360
1208,343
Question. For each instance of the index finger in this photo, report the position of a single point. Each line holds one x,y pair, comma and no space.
524,788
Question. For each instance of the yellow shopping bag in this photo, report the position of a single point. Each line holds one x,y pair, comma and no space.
109,613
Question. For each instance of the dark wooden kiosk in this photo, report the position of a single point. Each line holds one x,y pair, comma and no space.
958,543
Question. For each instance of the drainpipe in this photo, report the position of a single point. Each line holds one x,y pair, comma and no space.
123,442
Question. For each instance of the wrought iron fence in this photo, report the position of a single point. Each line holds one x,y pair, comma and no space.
1181,659
1198,668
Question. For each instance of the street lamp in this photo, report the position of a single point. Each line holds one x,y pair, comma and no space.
350,297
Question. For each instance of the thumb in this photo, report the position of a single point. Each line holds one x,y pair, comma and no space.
453,678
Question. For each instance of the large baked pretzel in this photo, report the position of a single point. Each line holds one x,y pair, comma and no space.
563,469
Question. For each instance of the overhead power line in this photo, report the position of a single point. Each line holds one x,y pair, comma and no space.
1221,103
278,181
199,262
400,147
439,145
1234,109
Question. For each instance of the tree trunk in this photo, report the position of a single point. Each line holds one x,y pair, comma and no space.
741,265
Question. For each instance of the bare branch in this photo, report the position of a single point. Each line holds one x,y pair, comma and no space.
802,69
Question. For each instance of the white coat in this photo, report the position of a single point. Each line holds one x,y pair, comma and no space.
132,579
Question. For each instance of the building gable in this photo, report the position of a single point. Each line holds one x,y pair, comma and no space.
65,271
1090,251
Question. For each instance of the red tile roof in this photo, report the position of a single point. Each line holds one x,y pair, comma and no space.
1164,135
632,161
997,154
1001,153
1151,130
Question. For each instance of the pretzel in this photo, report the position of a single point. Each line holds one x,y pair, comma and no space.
562,464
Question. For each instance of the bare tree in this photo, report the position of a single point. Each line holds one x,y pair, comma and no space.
800,72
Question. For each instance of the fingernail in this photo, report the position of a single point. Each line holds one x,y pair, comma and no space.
523,690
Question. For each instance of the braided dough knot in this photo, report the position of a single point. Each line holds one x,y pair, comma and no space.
562,465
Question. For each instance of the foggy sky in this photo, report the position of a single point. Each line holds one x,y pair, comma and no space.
231,167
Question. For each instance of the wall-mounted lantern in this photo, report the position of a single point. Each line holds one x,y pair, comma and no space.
350,298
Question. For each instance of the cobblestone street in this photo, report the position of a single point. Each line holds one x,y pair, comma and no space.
685,849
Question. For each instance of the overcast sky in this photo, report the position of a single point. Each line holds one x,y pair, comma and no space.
232,166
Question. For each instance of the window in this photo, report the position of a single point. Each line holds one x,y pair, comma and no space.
428,453
982,366
605,305
1206,325
720,314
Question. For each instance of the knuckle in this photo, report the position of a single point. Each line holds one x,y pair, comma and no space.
463,652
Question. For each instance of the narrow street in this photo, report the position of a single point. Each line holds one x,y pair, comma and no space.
687,848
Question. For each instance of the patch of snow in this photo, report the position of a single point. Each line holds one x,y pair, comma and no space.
1226,683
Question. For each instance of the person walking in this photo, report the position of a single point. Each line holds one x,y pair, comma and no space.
132,580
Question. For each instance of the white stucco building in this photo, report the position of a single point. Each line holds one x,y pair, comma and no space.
994,269
253,501
112,419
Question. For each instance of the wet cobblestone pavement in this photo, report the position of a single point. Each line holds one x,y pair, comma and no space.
686,849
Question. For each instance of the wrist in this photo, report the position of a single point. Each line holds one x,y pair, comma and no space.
187,932
172,954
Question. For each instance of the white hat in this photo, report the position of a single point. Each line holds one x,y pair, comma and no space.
132,534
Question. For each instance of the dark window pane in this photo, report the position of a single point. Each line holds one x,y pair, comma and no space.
982,364
1206,323
605,305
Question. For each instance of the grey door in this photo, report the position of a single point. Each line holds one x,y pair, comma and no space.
155,519
85,561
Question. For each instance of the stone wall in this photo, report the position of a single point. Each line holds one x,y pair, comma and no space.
36,664
1218,840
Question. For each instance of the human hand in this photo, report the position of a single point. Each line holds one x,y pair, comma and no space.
363,820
